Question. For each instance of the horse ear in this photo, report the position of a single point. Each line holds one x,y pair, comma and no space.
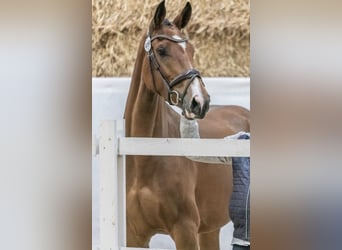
159,16
182,19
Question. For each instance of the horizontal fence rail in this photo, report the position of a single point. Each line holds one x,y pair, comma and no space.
183,147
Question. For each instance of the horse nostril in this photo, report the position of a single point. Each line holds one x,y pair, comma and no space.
199,106
205,107
195,106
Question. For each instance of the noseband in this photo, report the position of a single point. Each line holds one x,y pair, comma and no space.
174,97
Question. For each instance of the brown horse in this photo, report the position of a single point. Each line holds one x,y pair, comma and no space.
173,195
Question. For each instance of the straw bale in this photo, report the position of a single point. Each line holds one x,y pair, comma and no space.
219,31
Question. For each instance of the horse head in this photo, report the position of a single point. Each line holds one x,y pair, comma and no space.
168,64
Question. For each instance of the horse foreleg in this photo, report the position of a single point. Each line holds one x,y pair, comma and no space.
134,240
185,235
210,241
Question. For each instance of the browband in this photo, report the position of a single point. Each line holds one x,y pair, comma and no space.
176,40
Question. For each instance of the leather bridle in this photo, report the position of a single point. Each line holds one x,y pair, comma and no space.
174,97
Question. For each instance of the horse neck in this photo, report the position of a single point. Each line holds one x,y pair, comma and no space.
146,115
146,112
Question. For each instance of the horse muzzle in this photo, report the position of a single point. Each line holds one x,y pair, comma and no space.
197,107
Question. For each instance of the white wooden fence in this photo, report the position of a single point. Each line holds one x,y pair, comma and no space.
112,146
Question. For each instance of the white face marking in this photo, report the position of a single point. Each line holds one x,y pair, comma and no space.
196,91
182,44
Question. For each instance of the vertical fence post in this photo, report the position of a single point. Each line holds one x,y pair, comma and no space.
112,187
121,186
108,187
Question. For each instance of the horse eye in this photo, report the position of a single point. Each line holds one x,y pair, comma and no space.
162,51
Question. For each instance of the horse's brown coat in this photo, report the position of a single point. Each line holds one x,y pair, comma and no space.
173,195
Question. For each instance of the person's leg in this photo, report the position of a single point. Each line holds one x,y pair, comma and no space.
239,203
238,247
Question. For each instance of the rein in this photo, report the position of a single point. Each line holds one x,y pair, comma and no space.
174,97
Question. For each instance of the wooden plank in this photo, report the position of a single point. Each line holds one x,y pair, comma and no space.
121,191
108,187
183,147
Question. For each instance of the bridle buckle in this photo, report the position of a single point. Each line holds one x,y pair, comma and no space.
174,97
